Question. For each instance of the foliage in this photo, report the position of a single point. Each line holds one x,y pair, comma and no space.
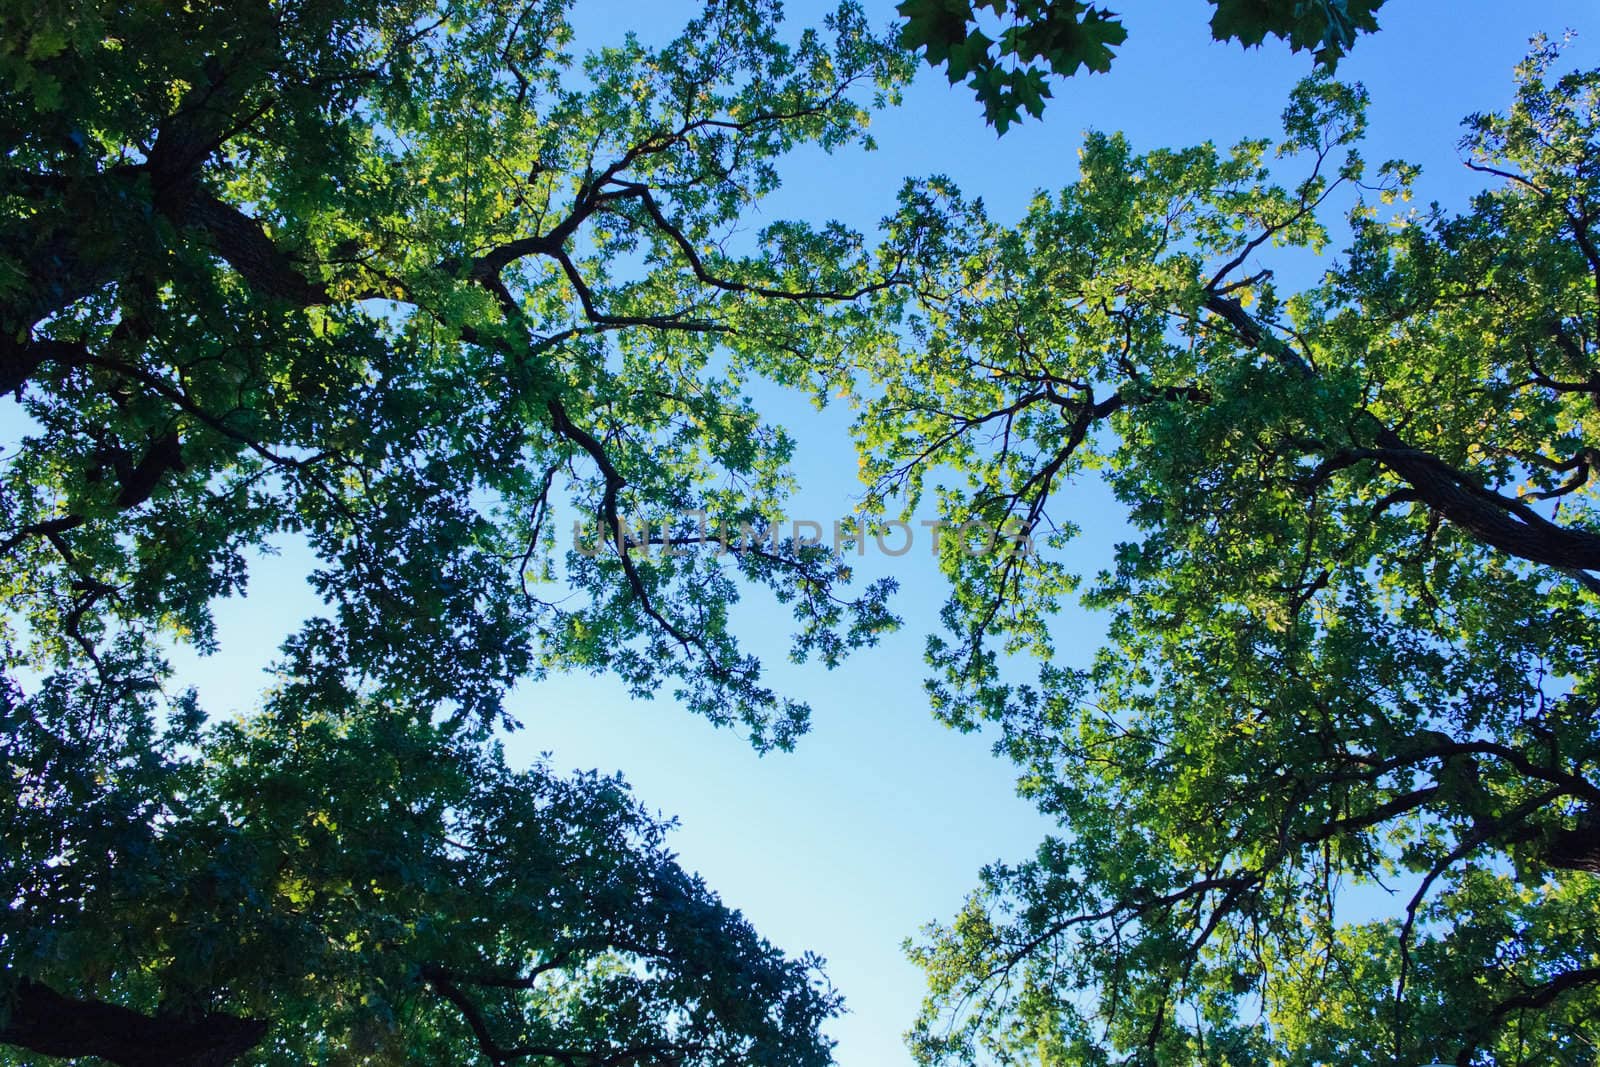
408,282
1009,72
381,889
1329,792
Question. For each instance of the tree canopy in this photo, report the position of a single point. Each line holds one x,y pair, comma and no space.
1008,55
416,284
409,282
363,887
1329,792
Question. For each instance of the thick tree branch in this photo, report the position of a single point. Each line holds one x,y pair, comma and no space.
51,1024
1499,521
243,243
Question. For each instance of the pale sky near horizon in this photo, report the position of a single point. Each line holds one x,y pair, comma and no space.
880,820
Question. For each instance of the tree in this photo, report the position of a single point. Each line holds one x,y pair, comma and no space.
403,280
1009,73
365,887
1329,793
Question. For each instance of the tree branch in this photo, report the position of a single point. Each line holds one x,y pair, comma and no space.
52,1024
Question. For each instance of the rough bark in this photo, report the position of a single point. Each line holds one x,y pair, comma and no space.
1577,849
1495,520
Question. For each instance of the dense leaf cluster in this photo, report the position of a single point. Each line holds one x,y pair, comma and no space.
1330,792
412,285
1008,54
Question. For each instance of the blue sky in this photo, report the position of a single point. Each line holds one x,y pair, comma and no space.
881,818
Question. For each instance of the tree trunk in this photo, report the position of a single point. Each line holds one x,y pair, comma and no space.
1576,850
